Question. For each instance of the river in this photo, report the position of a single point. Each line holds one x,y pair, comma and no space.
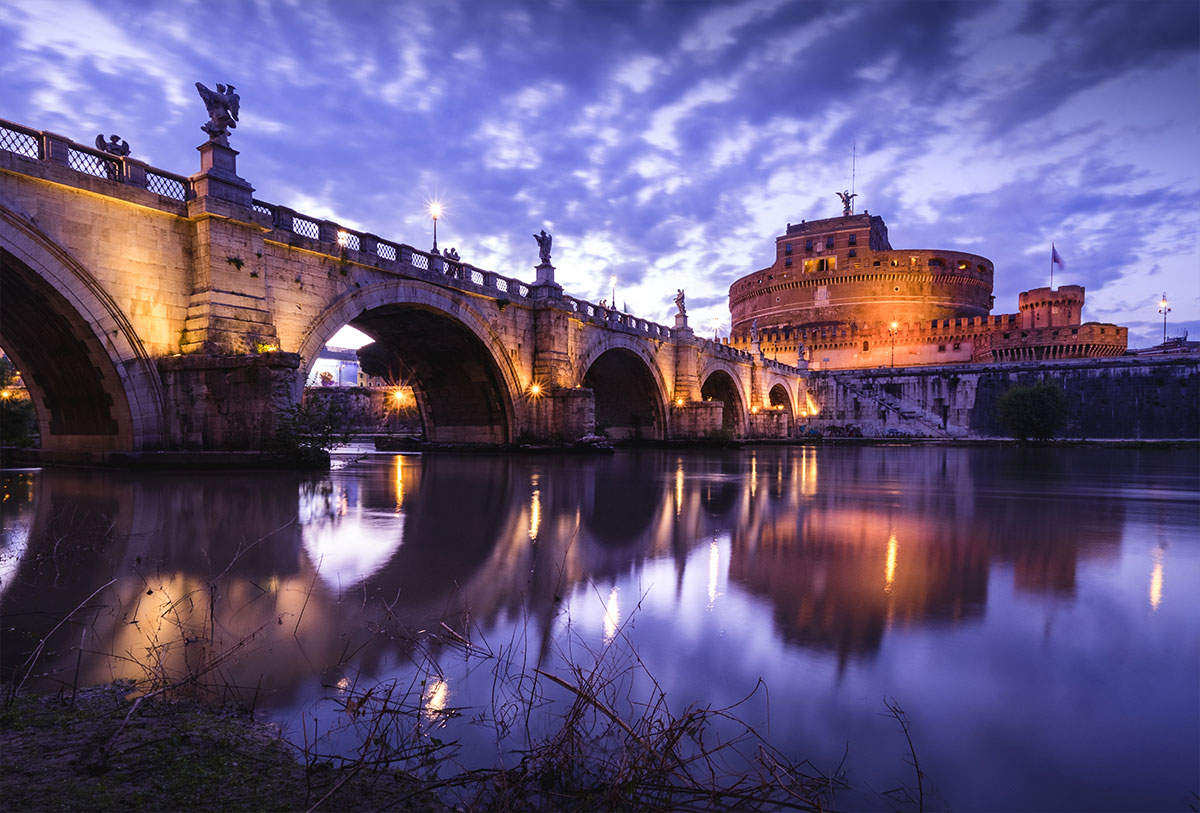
1033,612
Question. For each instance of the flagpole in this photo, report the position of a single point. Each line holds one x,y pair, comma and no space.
1052,266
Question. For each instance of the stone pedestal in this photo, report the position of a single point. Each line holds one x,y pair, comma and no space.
544,286
687,372
681,322
218,176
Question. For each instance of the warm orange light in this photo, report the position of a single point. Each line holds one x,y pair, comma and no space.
398,396
5,394
435,209
535,389
754,410
678,401
895,325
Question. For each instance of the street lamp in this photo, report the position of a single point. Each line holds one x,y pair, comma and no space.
892,332
435,211
716,324
1164,310
612,281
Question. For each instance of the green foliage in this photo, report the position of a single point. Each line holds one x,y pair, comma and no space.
1034,411
305,433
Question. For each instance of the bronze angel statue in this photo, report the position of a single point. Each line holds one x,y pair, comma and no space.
222,105
847,196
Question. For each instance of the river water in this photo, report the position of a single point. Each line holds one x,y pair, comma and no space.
1034,612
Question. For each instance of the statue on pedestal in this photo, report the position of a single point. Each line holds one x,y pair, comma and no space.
114,146
679,302
544,242
222,105
846,197
754,329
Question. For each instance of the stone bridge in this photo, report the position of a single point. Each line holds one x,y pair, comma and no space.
147,310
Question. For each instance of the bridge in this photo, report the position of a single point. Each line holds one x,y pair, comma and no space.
148,310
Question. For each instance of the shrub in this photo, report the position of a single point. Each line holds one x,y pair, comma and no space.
306,432
1034,411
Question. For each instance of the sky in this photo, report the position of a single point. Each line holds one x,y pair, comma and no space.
668,142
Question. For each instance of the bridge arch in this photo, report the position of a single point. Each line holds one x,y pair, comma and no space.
445,348
628,387
720,382
93,385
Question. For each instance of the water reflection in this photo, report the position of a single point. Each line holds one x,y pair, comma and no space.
309,578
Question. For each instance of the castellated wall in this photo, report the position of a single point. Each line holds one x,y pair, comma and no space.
1122,397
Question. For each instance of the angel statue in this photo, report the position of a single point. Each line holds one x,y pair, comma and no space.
754,329
544,241
222,105
679,302
114,146
846,197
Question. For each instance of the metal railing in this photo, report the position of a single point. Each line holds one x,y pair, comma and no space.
54,149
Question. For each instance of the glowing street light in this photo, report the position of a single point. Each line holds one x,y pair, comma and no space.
435,211
716,326
1164,310
892,328
612,281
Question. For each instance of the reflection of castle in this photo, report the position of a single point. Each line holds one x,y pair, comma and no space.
839,295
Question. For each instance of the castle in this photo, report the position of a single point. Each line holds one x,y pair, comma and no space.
838,296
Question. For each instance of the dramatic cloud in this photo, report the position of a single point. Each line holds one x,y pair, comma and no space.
668,143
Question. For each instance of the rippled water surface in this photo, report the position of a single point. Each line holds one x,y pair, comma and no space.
1034,612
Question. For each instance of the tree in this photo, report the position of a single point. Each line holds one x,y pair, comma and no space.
1033,411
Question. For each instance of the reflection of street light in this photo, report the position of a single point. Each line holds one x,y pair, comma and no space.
892,332
435,211
1164,310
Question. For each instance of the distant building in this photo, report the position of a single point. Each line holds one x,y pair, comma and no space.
838,296
335,367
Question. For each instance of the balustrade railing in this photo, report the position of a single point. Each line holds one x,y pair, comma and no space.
54,149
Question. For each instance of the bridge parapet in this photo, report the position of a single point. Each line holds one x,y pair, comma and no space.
42,145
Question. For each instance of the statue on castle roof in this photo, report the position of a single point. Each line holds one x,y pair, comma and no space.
846,197
222,105
679,302
754,329
544,242
114,146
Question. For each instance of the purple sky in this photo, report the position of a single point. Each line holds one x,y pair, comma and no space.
669,142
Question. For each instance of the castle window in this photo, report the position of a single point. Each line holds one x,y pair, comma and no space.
936,263
808,244
853,253
787,262
876,263
957,346
962,266
852,240
941,348
787,249
866,345
895,263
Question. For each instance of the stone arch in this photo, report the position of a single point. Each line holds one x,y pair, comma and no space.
720,382
462,373
628,388
93,384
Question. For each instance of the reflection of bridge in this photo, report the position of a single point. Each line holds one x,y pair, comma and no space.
147,310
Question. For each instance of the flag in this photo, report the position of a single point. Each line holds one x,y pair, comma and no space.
1055,259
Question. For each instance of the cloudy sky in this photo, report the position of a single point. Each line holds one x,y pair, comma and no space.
668,142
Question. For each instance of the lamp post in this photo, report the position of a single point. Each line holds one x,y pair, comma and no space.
1164,310
892,332
435,211
612,281
716,324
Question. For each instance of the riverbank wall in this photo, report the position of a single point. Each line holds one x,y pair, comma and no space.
1129,397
